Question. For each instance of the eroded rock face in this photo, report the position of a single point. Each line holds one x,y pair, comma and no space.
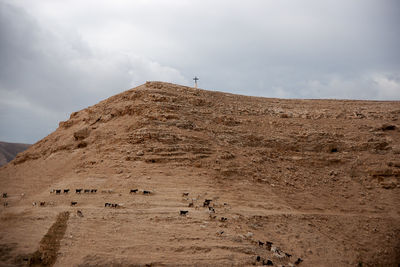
318,179
82,133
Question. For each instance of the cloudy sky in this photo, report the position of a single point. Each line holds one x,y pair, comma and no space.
60,56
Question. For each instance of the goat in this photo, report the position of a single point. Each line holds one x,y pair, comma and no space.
145,192
58,191
66,191
223,219
34,203
86,191
93,191
134,191
207,202
80,214
4,195
185,194
260,243
42,203
107,204
269,245
268,262
211,209
183,212
277,252
191,205
299,260
114,205
73,203
78,191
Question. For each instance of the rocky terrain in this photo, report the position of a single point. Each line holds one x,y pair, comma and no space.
8,151
167,175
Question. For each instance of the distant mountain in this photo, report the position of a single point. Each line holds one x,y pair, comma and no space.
8,151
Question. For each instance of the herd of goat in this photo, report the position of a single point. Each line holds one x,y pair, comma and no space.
77,191
206,204
89,191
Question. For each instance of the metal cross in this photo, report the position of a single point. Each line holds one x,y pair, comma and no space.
195,81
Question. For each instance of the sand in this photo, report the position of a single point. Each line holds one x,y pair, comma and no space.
290,182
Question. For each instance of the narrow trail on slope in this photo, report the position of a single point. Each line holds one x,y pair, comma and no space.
250,211
46,255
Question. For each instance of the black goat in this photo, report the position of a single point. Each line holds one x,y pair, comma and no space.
4,195
268,262
78,191
207,202
184,212
73,203
58,191
223,219
299,260
134,191
66,191
86,191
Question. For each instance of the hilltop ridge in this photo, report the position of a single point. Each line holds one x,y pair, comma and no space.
317,178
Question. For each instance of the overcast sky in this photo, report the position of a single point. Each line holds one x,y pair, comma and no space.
60,56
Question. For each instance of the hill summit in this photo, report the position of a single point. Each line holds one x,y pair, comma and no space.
168,175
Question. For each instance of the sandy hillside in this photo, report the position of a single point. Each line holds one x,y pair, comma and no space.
263,181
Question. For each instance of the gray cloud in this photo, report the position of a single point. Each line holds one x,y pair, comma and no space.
45,76
61,56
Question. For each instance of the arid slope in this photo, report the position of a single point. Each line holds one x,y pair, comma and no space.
319,179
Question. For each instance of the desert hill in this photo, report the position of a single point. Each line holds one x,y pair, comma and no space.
8,151
263,181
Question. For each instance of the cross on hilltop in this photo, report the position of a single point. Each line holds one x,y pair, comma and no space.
195,81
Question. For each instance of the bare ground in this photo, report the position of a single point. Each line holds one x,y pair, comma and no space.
316,180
